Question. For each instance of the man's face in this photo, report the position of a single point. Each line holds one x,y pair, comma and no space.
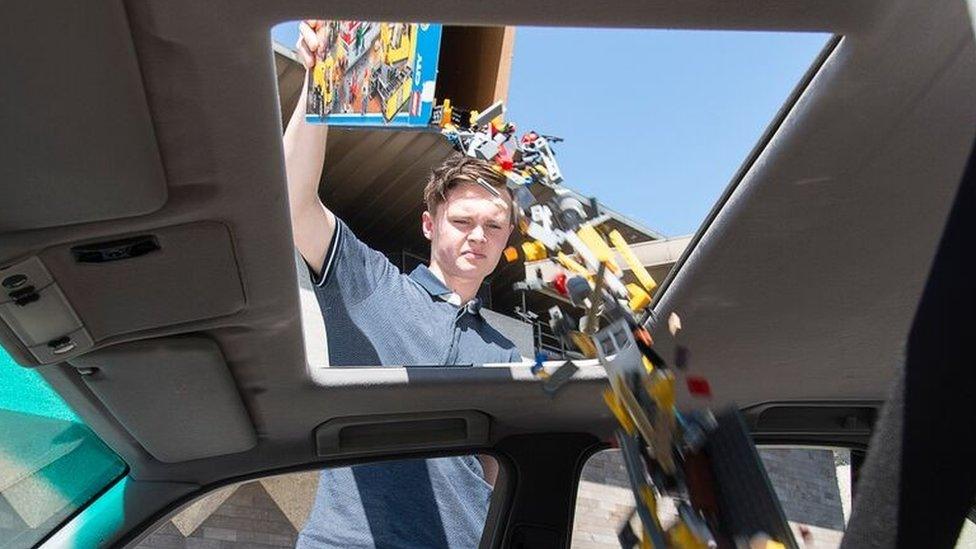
468,231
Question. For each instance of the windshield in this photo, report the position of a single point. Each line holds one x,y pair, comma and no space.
51,464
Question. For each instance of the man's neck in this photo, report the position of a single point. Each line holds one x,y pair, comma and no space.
466,289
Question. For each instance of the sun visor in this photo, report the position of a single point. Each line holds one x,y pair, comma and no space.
80,121
76,296
174,395
162,277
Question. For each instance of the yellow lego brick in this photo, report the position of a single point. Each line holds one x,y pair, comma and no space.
446,112
598,246
638,297
649,500
661,388
681,537
644,277
647,497
534,250
761,541
572,265
637,415
585,344
618,411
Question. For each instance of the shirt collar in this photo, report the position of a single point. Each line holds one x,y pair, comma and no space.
429,281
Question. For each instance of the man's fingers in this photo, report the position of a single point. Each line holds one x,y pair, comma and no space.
309,37
320,33
307,58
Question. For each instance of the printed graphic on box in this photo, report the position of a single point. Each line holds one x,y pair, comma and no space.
375,74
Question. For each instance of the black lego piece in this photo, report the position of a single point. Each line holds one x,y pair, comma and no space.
747,504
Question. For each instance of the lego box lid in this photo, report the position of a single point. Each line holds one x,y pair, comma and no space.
375,75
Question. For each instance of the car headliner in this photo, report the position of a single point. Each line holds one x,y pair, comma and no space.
801,284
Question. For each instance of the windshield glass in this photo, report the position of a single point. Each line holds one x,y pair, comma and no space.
51,464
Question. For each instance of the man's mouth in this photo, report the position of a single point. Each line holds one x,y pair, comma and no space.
475,255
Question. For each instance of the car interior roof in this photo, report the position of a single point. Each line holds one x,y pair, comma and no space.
800,286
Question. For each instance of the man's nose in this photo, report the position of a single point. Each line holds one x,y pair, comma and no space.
477,233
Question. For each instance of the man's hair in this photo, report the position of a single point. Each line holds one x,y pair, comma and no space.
459,168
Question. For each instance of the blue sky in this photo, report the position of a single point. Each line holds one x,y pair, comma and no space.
655,122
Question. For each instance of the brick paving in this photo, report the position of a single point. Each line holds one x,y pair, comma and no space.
804,478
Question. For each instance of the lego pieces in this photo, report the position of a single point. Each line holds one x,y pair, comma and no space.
643,492
445,114
639,299
571,264
698,386
601,251
552,239
674,323
511,254
486,116
534,250
488,187
659,443
537,369
559,283
584,344
636,267
617,407
559,377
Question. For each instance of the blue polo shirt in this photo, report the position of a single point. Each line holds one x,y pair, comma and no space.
374,315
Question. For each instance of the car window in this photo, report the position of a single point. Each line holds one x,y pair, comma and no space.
293,510
709,95
51,464
813,484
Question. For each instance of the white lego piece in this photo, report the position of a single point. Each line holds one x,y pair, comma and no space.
486,116
543,215
550,238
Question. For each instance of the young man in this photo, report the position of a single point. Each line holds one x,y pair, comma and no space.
376,315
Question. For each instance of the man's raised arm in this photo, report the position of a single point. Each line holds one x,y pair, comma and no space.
311,222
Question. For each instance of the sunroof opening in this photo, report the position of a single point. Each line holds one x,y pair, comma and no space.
648,128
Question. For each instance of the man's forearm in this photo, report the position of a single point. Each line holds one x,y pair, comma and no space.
312,224
304,146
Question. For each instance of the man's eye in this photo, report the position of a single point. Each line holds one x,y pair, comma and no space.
462,221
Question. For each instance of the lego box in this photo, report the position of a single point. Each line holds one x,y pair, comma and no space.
375,74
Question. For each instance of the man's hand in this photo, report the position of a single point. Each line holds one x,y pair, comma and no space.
311,41
312,223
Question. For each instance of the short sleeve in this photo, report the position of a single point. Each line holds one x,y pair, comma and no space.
352,269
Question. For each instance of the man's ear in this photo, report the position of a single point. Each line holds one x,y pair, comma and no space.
427,224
